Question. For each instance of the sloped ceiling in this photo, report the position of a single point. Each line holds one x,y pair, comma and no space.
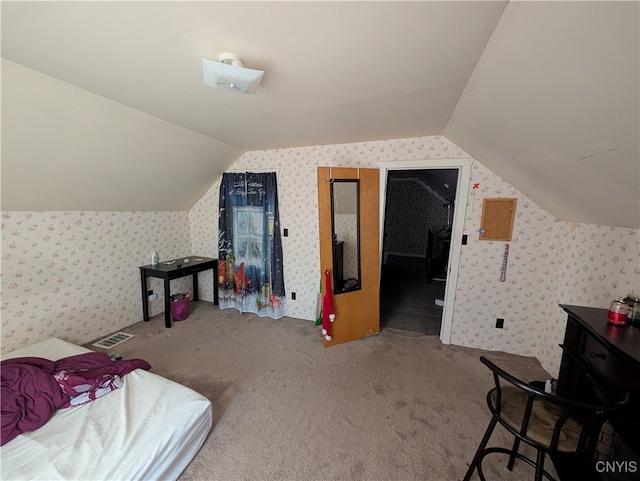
553,108
104,107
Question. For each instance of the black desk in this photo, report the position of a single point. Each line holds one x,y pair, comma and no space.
173,270
614,353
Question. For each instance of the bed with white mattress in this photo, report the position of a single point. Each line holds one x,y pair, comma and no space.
149,429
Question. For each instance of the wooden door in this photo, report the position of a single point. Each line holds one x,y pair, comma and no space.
357,312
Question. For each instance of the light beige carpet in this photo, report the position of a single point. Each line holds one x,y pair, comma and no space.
394,406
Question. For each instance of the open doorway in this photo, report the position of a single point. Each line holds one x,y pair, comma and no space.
418,225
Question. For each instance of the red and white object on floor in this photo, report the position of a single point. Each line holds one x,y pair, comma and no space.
328,315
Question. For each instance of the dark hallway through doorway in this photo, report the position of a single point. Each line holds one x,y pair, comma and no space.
419,207
408,301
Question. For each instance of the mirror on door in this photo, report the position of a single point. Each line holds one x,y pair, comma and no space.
345,227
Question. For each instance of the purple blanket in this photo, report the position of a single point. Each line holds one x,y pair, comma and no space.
33,387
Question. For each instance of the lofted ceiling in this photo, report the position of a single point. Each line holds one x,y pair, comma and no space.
104,106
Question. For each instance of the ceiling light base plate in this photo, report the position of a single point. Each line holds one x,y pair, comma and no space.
228,58
230,76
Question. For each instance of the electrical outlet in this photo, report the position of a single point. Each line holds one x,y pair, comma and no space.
293,296
499,323
286,232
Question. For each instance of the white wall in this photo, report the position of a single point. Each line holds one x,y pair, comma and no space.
585,265
549,263
75,148
74,275
298,201
528,300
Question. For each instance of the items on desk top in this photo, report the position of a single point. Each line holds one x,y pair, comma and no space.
633,301
618,313
179,262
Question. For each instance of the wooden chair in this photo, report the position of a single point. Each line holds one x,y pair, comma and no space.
554,426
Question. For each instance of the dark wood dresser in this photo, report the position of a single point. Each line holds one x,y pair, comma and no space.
614,353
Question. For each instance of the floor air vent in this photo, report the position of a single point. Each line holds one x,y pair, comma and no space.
112,340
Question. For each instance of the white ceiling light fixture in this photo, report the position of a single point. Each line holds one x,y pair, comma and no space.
229,74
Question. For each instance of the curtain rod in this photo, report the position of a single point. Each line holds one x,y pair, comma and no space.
252,171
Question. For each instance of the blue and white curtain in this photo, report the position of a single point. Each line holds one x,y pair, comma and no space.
250,276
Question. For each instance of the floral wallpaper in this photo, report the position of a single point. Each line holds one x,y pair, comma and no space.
481,297
298,201
586,265
404,232
548,263
527,300
75,274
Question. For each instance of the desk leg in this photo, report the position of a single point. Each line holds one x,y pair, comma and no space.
195,286
215,284
167,303
145,296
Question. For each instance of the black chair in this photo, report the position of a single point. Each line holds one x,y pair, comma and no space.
429,257
554,426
